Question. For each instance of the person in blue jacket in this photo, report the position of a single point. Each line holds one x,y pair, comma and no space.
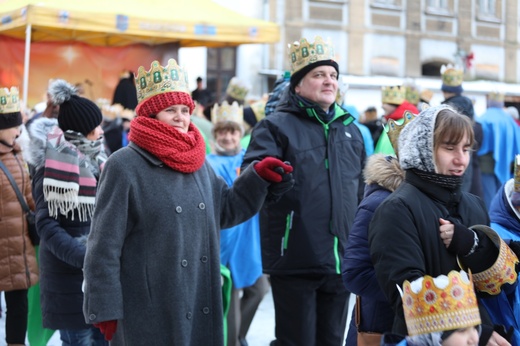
239,245
504,213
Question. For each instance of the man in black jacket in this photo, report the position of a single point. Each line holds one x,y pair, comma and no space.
304,231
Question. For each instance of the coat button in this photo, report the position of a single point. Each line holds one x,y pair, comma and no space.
188,315
202,206
92,317
184,263
178,209
204,259
205,310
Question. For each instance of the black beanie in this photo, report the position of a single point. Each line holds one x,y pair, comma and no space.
297,76
76,113
9,120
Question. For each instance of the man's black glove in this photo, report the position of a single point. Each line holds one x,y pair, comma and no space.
276,190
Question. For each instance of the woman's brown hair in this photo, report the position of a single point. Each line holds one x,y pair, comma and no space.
450,127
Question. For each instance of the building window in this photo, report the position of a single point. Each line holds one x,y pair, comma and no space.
488,7
387,4
221,68
438,4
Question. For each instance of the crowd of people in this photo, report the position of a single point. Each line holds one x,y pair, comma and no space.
164,217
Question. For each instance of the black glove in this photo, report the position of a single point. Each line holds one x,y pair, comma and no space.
277,190
515,246
463,240
501,329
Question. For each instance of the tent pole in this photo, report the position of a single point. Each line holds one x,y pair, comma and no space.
26,62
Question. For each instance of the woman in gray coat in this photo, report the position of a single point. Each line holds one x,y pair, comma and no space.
152,270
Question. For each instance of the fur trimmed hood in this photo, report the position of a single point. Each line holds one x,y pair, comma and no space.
416,141
38,131
383,171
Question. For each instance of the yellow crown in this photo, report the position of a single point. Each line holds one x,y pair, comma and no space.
258,108
303,53
496,96
439,304
412,95
394,128
426,95
228,112
236,89
159,80
452,75
502,271
9,100
393,95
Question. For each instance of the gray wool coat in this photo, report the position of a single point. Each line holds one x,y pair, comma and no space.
152,260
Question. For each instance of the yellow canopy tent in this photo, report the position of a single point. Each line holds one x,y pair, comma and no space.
118,23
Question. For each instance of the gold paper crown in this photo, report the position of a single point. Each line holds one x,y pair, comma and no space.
452,75
496,96
303,53
393,95
394,129
426,95
440,304
9,100
412,95
258,108
502,271
228,112
236,89
159,80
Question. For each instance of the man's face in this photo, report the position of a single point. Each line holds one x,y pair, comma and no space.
319,85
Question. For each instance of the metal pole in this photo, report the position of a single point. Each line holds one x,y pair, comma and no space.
26,62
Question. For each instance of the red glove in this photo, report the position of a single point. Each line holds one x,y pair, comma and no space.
267,169
107,328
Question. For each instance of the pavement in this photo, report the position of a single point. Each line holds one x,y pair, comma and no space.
261,332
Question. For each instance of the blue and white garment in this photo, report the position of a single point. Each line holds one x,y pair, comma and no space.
240,245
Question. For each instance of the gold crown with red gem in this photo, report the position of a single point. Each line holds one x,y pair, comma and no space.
161,79
446,302
9,100
303,53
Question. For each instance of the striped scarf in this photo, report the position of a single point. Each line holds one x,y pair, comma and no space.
69,185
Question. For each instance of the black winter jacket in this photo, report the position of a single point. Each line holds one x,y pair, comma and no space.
306,230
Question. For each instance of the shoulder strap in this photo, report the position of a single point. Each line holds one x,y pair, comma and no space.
358,312
24,205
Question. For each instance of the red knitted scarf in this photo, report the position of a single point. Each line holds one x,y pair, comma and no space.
183,152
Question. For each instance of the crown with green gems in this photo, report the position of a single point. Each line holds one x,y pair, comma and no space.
9,100
394,129
161,79
452,75
237,89
303,53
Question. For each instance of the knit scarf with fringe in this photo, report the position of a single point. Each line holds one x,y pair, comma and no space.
183,152
69,184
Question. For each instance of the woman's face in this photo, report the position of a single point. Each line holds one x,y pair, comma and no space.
177,116
9,135
95,134
462,337
453,159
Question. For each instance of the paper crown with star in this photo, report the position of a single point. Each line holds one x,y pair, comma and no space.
394,95
394,129
9,100
446,302
227,112
237,89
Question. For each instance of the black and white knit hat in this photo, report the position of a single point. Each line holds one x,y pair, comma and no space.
76,113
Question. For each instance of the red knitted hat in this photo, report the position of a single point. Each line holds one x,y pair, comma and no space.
157,103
